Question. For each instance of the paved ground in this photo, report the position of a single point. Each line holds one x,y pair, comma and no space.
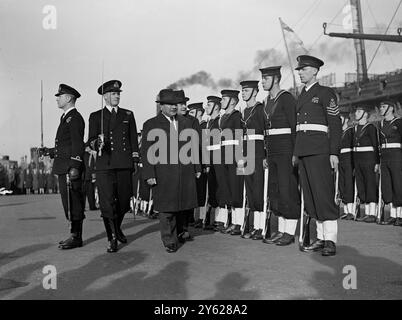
214,266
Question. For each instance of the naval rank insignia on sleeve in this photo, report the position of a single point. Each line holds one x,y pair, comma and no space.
333,109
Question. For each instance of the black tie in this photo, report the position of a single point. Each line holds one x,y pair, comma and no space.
113,119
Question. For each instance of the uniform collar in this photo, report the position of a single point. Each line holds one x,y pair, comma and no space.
67,111
110,108
307,88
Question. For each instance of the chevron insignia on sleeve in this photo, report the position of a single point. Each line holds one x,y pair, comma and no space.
128,112
135,154
77,158
333,109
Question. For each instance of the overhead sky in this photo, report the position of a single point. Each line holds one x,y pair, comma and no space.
151,44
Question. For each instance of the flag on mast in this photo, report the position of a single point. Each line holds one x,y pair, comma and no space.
293,39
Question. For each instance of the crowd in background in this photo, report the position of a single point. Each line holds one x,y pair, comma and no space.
28,181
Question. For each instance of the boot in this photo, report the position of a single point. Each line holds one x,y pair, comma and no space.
111,234
274,238
119,233
236,230
75,241
257,235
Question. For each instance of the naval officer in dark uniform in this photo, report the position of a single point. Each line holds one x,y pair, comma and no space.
68,156
115,139
318,135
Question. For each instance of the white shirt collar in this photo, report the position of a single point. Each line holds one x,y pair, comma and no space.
110,108
67,111
307,88
170,120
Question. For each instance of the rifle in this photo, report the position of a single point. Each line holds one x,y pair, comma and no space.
267,208
136,200
229,217
380,212
356,203
245,209
150,203
304,236
380,209
337,198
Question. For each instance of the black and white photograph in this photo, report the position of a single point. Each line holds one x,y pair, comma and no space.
201,156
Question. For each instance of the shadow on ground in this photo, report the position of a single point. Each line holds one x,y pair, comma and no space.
126,225
8,257
386,284
231,287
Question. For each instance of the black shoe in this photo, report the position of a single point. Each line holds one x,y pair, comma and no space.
274,238
187,236
228,230
171,248
71,243
350,217
329,249
219,226
236,231
317,245
390,221
198,224
112,247
207,227
62,241
398,222
285,240
249,235
121,237
362,219
371,219
257,235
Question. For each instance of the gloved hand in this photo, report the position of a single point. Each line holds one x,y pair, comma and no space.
74,174
43,151
100,142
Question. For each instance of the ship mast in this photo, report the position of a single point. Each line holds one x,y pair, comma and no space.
359,43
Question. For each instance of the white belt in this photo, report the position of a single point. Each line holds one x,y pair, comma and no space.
230,142
311,127
254,137
346,150
274,132
213,147
391,145
363,149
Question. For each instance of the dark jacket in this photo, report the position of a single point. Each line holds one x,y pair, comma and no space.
366,136
121,142
69,144
281,114
176,182
318,106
